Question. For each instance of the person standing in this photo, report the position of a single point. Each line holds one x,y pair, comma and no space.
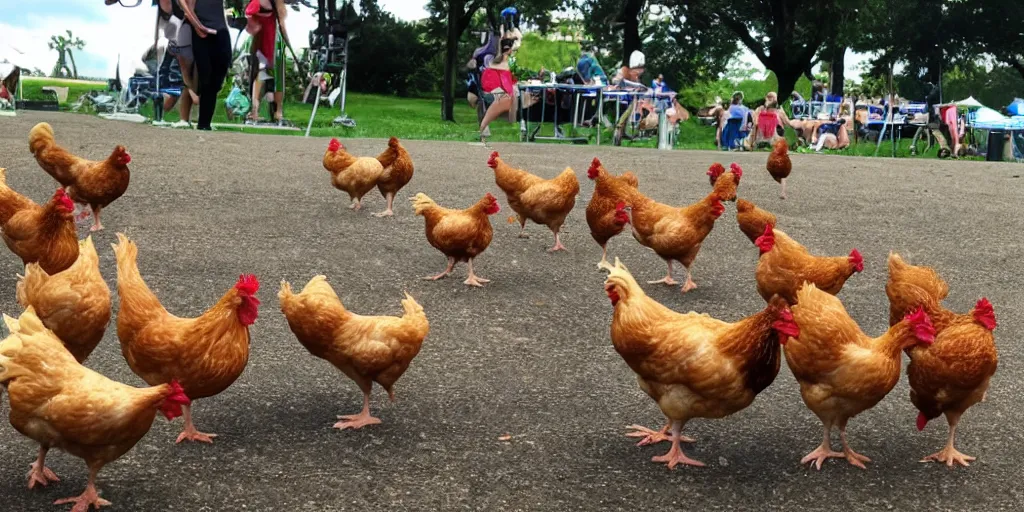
211,48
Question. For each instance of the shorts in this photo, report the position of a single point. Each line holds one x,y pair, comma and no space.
179,38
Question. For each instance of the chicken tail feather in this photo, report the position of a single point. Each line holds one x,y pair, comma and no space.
421,203
40,137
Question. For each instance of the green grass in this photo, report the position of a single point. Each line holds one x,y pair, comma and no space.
32,88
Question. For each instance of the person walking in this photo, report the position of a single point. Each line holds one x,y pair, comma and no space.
211,48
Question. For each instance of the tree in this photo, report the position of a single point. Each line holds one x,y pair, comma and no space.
64,45
995,26
785,35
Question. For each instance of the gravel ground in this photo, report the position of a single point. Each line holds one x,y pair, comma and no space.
529,355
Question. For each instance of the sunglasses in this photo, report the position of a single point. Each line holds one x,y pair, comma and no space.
124,3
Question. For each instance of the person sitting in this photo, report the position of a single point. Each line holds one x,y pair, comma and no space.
833,135
736,113
498,81
628,77
771,122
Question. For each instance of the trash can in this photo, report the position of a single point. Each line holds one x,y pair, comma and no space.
996,146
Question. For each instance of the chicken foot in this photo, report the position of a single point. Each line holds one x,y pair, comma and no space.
96,224
655,436
387,212
89,498
668,277
40,474
355,421
823,452
473,279
852,457
442,275
950,455
783,183
689,284
603,264
357,204
522,227
190,433
558,244
675,455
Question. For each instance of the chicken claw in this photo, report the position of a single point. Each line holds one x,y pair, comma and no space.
689,285
42,476
442,275
855,458
385,213
675,456
356,205
951,456
665,280
654,436
356,421
89,498
191,434
819,456
476,281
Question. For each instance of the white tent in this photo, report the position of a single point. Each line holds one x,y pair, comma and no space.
970,102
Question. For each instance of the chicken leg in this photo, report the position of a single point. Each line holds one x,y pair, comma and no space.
675,455
472,279
603,264
387,212
689,284
522,227
89,498
96,224
190,433
783,183
558,244
824,451
851,456
950,455
40,474
355,421
357,204
448,270
655,436
668,277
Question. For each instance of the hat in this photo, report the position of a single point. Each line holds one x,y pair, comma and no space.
636,59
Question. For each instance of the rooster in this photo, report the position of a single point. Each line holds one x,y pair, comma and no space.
753,220
366,349
94,184
398,171
952,374
39,234
206,354
460,234
779,164
692,365
533,198
353,175
785,265
674,234
74,304
61,404
842,372
606,212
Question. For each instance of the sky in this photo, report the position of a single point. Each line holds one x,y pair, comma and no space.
113,31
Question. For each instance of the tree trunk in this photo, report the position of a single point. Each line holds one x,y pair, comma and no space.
787,81
455,11
837,70
1016,64
631,29
74,68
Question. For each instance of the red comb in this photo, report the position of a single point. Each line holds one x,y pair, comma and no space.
334,145
786,326
922,420
736,171
65,201
593,170
766,241
171,406
490,197
922,325
492,162
856,260
247,284
985,314
620,206
715,170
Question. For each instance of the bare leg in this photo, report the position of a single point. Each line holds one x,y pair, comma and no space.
89,498
360,420
824,451
448,270
472,279
950,455
783,183
655,436
668,277
257,90
689,284
388,212
40,474
279,105
190,433
499,107
96,224
851,456
558,244
675,455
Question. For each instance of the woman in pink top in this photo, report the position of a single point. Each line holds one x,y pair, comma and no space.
263,17
497,80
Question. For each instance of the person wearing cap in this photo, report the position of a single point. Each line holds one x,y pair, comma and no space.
628,78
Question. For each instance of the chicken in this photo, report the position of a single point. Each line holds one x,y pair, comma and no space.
206,354
725,183
366,349
779,164
74,304
397,172
842,372
675,234
39,234
952,374
61,404
753,220
351,174
95,184
460,234
606,213
533,198
692,365
785,265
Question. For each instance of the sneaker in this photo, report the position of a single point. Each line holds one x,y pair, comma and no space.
181,124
